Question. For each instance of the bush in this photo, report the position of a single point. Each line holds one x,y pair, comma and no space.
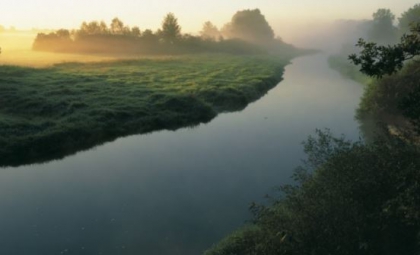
350,198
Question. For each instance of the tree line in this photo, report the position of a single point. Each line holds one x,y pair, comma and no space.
247,32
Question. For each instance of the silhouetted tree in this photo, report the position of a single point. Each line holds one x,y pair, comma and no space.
383,30
135,31
408,18
92,28
381,60
249,25
209,31
63,34
171,31
147,34
117,27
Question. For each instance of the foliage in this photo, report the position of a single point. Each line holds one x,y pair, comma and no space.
409,18
249,34
171,31
53,112
210,31
249,25
394,100
376,60
350,198
383,30
118,28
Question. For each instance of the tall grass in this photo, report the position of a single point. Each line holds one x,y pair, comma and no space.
48,113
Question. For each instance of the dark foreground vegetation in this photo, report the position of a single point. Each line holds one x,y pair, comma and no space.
349,198
353,197
53,112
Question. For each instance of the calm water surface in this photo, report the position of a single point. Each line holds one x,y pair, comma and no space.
174,192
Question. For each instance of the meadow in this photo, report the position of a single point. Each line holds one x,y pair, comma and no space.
49,112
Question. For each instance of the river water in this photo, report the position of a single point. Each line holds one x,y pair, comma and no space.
174,192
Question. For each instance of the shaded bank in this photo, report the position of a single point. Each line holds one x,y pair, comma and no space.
350,198
49,113
388,105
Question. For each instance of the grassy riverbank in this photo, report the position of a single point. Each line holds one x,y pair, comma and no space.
48,113
342,64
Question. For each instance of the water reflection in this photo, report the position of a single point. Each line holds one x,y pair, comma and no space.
173,192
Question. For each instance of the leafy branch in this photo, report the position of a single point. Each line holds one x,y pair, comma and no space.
377,60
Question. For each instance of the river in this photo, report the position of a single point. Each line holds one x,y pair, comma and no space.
174,192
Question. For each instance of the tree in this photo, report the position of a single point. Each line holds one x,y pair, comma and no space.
249,25
376,60
209,31
117,27
409,18
103,28
171,31
63,34
135,31
383,30
92,28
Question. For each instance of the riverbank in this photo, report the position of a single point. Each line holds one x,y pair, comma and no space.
342,64
329,202
49,113
388,104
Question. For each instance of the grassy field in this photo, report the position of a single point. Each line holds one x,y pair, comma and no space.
48,113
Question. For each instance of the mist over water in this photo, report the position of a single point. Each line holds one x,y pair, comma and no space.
174,192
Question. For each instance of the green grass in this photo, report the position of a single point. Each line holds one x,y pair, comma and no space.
52,112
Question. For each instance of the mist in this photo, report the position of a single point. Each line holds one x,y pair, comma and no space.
209,127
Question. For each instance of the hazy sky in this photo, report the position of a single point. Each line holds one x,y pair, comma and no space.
191,13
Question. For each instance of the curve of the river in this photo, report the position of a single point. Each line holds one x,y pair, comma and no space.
174,192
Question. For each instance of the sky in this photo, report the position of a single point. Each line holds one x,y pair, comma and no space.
191,14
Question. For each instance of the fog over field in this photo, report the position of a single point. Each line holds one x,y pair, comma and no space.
303,23
223,127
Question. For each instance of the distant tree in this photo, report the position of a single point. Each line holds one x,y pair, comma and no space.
380,60
147,33
409,18
63,34
117,27
209,31
135,31
148,36
103,28
2,29
249,25
171,31
383,30
92,28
